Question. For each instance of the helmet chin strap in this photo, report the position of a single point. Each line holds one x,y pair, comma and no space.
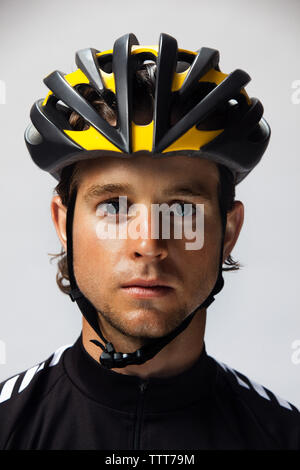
109,358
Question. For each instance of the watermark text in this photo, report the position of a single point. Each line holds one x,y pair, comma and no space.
132,222
295,98
2,352
2,92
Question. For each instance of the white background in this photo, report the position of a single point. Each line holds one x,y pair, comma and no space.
254,320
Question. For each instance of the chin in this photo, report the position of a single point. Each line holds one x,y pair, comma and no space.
150,323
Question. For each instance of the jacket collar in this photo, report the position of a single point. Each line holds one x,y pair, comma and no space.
122,392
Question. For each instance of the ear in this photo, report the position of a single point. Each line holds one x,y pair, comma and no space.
235,219
59,217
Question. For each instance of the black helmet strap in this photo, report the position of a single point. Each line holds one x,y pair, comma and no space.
109,358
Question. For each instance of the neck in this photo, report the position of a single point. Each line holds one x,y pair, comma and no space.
177,356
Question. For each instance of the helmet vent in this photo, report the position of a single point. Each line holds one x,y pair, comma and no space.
105,63
61,106
148,61
182,106
182,66
184,61
105,105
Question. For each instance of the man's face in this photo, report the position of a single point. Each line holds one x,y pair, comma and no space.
103,266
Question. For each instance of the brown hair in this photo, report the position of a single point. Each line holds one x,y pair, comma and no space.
143,94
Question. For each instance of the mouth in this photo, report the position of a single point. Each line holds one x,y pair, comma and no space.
146,292
141,288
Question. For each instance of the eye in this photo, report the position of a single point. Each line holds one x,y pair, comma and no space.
182,209
111,208
118,207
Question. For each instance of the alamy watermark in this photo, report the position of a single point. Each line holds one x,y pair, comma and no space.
2,92
130,223
295,357
295,98
2,352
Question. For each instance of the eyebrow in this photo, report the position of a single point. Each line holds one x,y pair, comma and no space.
194,189
99,190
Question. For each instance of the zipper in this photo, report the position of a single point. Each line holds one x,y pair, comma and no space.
139,413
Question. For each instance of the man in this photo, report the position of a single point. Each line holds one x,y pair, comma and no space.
137,127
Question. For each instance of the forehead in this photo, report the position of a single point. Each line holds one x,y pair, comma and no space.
161,170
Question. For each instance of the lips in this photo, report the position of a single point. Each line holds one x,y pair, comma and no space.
146,283
143,288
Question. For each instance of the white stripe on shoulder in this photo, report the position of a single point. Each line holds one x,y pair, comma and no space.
227,368
28,377
260,389
41,366
283,402
8,386
57,355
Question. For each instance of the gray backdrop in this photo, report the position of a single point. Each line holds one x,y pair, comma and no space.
255,319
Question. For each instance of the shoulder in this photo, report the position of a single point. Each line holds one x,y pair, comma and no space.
279,418
14,387
22,391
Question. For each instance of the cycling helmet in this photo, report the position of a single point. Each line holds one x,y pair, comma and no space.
224,126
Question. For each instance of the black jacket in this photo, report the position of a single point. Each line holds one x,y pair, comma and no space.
70,401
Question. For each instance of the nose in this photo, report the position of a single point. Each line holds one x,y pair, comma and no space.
146,240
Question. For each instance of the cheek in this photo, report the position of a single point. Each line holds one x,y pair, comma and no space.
201,263
204,235
93,255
